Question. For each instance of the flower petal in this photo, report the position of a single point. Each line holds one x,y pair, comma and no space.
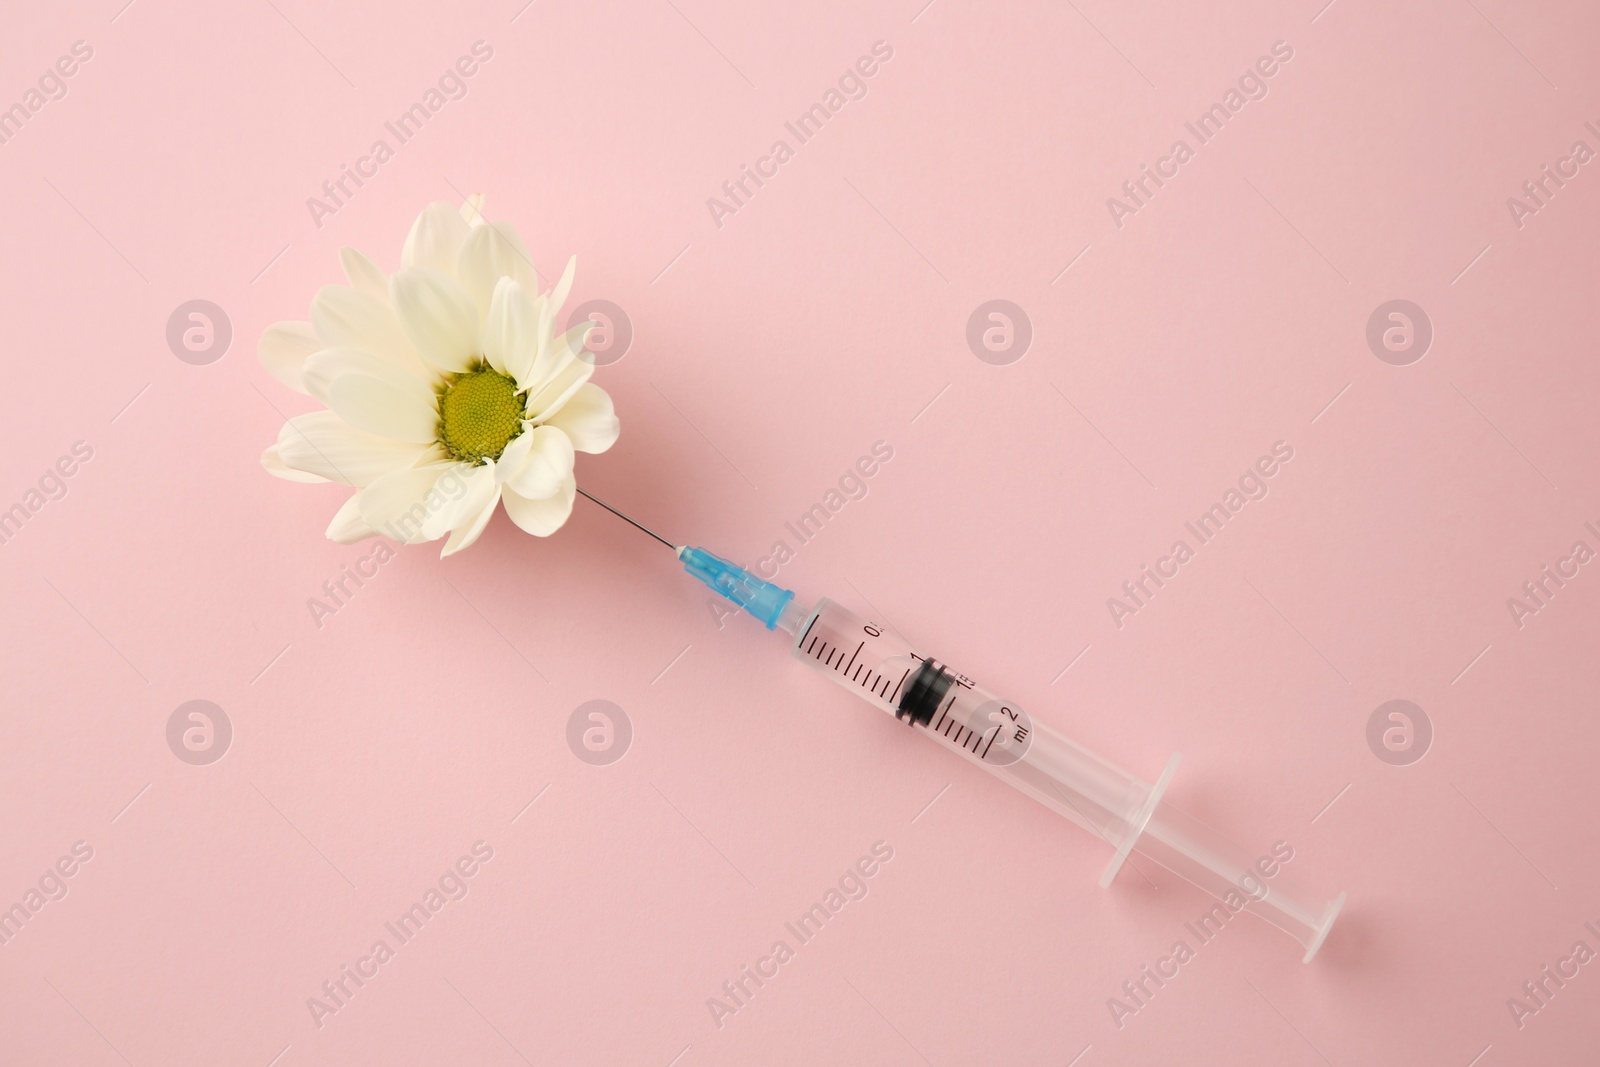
273,462
435,238
329,364
376,406
511,330
463,536
472,210
537,463
463,501
588,418
363,273
490,253
541,517
323,445
558,295
356,319
348,526
548,399
438,316
283,349
398,504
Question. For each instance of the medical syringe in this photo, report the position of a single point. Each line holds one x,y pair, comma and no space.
1126,812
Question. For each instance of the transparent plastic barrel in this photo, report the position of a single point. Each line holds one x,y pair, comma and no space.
1124,811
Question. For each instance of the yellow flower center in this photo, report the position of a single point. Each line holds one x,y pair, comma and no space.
479,414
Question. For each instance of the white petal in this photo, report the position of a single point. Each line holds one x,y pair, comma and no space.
356,319
283,349
464,498
588,418
511,331
549,398
537,463
363,273
372,404
472,210
558,295
463,536
324,445
438,316
348,526
325,366
435,238
541,517
397,504
273,461
490,253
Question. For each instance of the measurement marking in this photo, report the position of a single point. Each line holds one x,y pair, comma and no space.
129,804
675,259
268,667
991,742
1332,802
1330,403
92,1026
1481,1055
1086,1049
1468,667
1068,667
268,267
1068,267
811,646
668,667
129,404
898,684
935,726
929,404
931,803
1464,270
809,625
854,654
529,804
1507,840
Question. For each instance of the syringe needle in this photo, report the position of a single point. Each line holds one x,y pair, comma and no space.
630,522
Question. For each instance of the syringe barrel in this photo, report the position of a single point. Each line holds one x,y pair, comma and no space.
1124,811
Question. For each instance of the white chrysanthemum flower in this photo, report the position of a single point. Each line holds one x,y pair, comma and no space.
448,390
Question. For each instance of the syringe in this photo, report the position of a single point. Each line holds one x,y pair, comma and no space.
1126,812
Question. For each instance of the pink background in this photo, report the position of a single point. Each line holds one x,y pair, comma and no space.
829,313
